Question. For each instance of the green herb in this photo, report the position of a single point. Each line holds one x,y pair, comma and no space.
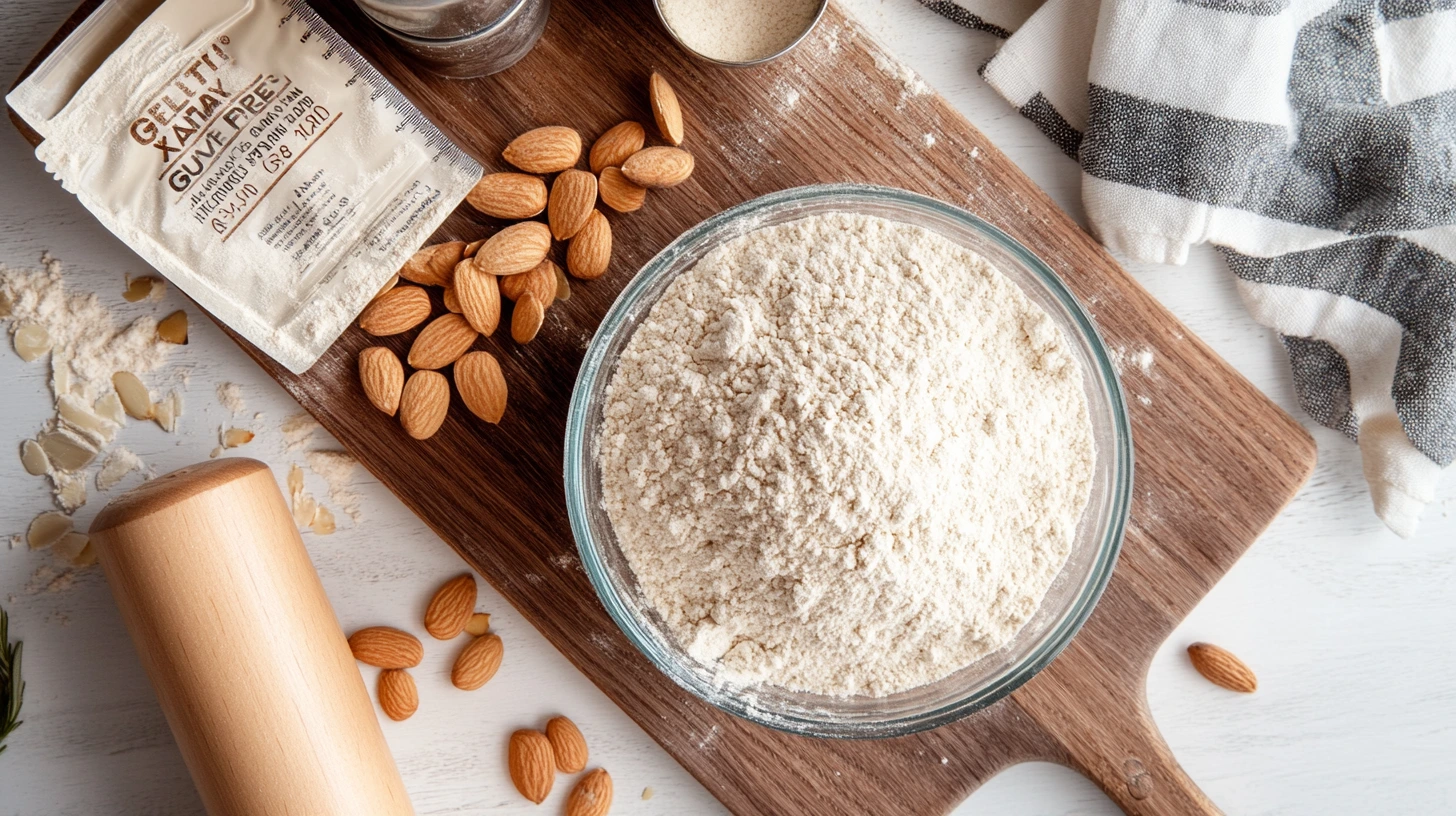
12,688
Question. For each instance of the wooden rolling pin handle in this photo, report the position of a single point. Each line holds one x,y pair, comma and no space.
246,656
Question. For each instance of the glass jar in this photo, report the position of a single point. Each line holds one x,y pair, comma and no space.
462,38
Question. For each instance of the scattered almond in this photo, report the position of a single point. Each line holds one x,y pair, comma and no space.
508,195
544,150
515,249
386,647
33,458
382,376
479,295
46,529
143,287
526,318
482,387
567,744
613,147
531,764
618,192
432,265
452,300
236,437
573,195
474,246
478,624
389,284
451,607
665,109
397,694
540,282
32,340
396,311
656,167
173,328
478,662
134,396
590,252
1220,667
441,342
592,795
423,403
563,286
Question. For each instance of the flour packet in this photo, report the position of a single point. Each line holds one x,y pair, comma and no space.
250,155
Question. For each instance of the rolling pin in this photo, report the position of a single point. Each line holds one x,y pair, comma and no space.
235,632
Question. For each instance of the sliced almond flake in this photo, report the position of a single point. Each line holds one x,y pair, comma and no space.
143,288
7,304
295,481
86,557
233,437
167,411
31,341
323,521
67,451
109,407
173,328
478,624
33,458
70,545
304,509
46,529
69,490
134,396
76,413
60,374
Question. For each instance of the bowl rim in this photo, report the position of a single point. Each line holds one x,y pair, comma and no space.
577,449
803,35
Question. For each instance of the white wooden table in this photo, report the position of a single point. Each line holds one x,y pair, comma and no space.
1347,626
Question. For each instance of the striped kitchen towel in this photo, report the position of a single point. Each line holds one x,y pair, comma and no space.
1313,142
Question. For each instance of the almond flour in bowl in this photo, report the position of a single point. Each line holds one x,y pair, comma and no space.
845,477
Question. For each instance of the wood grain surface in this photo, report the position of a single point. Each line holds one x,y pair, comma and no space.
1215,459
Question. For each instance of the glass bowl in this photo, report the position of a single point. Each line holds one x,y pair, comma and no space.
1067,603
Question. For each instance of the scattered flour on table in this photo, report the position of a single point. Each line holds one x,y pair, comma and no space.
298,429
230,396
845,455
337,470
911,85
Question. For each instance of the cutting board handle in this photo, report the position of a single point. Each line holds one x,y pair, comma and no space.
1127,758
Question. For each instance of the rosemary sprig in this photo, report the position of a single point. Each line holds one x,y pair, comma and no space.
12,687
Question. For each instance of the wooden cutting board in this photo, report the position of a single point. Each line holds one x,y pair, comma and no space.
1216,460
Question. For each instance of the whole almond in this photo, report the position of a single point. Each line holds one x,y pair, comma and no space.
590,251
563,286
544,150
508,195
424,403
618,192
526,318
474,246
613,147
386,647
1222,668
657,167
478,662
592,795
478,624
397,694
515,249
451,607
396,311
479,296
665,109
452,300
573,194
531,765
441,342
432,265
540,282
390,284
382,377
567,744
482,386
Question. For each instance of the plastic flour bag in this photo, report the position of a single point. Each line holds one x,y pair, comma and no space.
250,155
